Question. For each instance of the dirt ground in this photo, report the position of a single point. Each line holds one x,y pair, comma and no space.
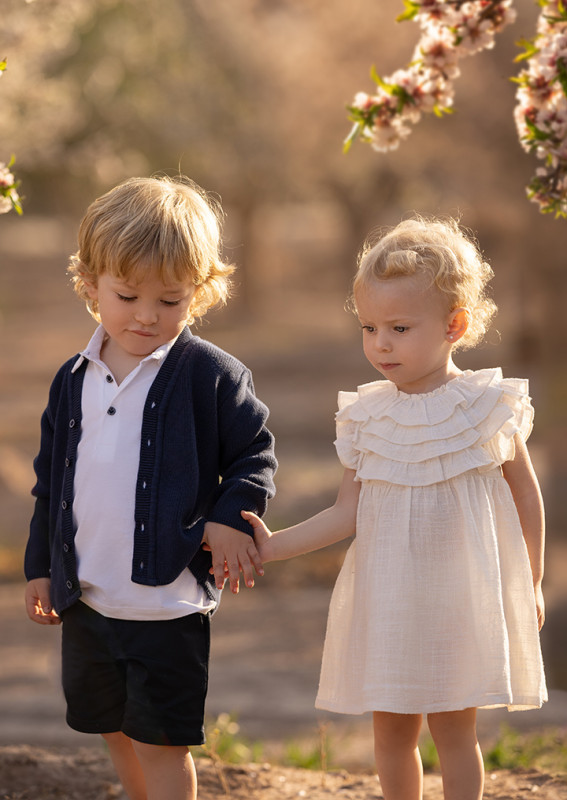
28,773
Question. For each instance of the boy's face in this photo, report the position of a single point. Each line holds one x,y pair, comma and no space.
141,316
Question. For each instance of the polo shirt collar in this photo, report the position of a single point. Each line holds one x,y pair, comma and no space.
93,348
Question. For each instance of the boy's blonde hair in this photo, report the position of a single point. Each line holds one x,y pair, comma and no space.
166,224
440,251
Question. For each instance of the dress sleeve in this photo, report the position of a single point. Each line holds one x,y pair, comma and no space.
348,455
516,406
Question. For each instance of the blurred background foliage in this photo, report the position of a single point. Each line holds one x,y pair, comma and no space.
248,98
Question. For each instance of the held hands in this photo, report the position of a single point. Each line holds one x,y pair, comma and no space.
38,602
262,534
232,551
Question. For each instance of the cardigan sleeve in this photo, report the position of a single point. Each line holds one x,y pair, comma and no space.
37,557
247,460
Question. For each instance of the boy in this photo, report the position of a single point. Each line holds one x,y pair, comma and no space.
152,442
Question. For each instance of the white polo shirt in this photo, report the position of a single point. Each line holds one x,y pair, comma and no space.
105,491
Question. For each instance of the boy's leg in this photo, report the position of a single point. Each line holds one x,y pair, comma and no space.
454,734
398,761
126,764
169,771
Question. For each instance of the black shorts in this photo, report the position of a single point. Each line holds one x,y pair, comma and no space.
146,679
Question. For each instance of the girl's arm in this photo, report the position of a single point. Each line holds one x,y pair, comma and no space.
521,478
329,526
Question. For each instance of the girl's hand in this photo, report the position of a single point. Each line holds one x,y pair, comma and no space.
262,534
38,602
540,605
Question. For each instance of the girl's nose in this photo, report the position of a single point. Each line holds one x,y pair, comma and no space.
382,341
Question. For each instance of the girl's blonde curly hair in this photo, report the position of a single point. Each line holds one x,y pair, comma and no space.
166,224
445,255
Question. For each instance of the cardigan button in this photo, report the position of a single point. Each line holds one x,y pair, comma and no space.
71,423
69,584
64,505
65,548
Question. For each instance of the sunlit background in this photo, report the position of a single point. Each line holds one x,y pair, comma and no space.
248,98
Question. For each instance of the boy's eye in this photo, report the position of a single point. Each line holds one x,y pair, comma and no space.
400,328
124,297
368,328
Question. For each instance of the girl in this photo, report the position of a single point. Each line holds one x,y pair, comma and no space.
438,604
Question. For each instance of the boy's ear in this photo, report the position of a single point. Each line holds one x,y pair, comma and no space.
91,287
458,324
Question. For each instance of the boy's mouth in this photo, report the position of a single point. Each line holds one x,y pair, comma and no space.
142,333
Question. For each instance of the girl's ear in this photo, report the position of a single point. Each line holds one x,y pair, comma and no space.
457,325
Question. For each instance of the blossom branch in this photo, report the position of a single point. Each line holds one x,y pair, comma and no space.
9,197
541,110
450,30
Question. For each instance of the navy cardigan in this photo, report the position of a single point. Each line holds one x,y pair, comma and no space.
205,454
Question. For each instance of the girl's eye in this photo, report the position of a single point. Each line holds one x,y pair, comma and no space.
171,302
125,298
368,328
400,328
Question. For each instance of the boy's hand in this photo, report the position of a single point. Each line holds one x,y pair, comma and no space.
262,534
38,602
232,551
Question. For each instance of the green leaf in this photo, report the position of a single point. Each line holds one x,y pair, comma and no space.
17,206
411,11
353,135
537,133
440,110
387,87
562,74
530,49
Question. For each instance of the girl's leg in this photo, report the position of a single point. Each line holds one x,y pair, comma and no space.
168,770
454,734
398,761
126,765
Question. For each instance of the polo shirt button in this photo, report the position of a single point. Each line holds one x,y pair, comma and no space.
69,584
111,411
109,379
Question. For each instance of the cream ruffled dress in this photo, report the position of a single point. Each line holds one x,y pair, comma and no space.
433,609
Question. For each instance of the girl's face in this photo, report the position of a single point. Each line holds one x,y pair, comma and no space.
408,332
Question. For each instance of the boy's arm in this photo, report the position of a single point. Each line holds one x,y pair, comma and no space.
247,466
329,526
38,602
523,483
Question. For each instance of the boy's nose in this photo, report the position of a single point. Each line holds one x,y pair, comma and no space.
146,315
